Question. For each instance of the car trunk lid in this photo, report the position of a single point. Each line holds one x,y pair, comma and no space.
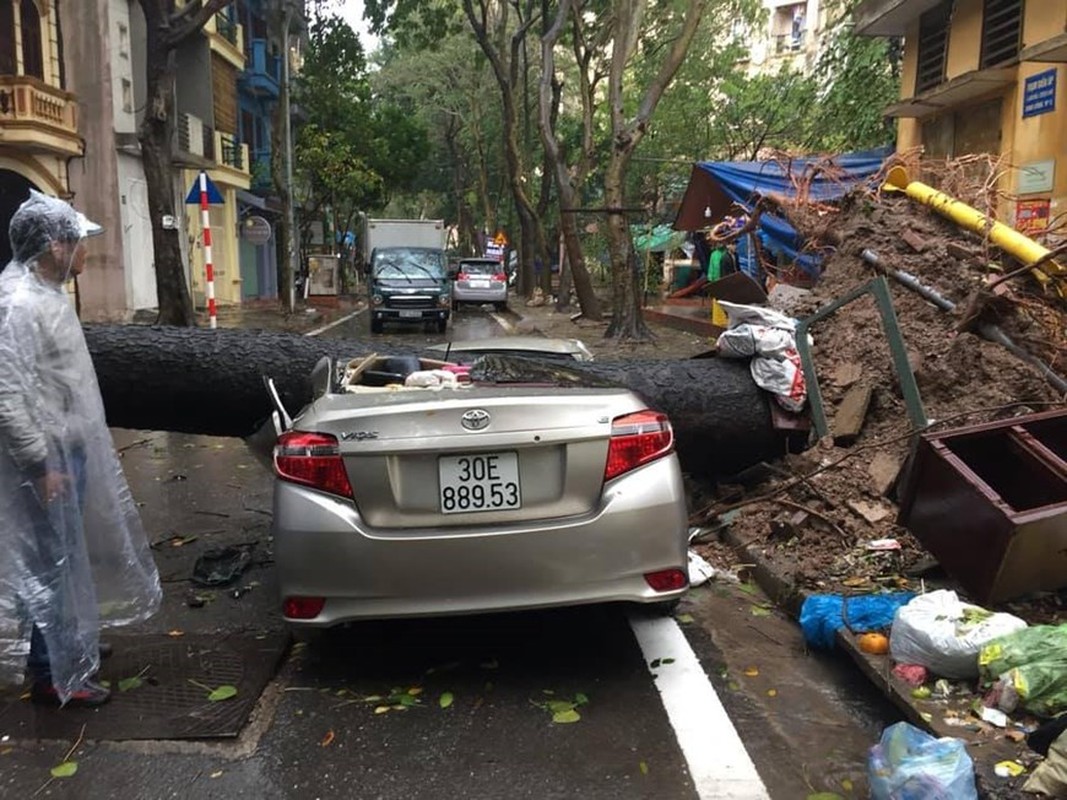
465,458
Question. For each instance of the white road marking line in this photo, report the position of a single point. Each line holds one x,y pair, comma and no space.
503,322
718,762
335,323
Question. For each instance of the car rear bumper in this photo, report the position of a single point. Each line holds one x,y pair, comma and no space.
480,295
324,549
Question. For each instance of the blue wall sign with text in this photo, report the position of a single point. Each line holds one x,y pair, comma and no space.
1039,93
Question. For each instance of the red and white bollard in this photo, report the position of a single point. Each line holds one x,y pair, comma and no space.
209,267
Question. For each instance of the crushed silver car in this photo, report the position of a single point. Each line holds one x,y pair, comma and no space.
406,489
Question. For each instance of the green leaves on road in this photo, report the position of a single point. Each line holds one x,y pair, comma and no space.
219,693
563,712
65,769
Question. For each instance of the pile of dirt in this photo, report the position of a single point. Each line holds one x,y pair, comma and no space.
824,531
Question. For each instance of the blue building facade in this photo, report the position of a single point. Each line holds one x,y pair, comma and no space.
259,90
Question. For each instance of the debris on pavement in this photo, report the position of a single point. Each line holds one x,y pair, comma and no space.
220,566
909,762
945,635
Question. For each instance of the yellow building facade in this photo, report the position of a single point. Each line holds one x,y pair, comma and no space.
985,76
208,140
38,117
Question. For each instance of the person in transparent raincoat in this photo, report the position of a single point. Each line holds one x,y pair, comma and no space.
75,556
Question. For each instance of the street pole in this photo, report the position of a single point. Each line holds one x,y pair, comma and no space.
291,221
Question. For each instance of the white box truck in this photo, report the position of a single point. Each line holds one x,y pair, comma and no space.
407,272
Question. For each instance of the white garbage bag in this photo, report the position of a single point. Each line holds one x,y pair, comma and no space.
944,634
768,337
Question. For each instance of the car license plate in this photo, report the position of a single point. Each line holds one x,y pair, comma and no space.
479,284
407,313
479,482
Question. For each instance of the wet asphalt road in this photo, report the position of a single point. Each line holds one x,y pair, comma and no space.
467,323
806,720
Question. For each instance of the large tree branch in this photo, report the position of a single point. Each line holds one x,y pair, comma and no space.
693,14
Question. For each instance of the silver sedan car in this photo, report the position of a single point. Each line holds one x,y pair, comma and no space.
412,495
480,280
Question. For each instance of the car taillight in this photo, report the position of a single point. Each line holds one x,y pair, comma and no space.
500,277
463,276
303,607
667,580
312,459
637,439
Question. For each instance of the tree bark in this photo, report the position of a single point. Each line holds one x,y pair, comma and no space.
549,98
156,134
166,28
504,59
628,322
211,382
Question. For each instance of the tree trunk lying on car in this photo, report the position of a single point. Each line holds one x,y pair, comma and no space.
211,382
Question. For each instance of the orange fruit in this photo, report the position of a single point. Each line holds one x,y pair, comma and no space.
876,643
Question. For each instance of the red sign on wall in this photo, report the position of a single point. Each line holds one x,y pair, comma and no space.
1032,216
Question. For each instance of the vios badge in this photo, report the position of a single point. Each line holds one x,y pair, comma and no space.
475,420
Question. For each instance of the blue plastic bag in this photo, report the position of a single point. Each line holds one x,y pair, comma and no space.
910,764
823,614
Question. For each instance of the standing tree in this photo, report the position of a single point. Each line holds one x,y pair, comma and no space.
566,179
502,44
167,27
627,131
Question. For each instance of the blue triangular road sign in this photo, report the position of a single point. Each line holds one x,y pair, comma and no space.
214,197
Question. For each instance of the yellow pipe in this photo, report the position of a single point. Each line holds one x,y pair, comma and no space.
1025,249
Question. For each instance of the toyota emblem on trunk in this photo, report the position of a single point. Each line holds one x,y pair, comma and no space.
475,420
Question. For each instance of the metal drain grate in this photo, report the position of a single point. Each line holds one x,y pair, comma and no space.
171,702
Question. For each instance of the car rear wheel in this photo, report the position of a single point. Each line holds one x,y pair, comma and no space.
501,306
375,326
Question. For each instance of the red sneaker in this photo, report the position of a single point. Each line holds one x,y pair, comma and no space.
88,696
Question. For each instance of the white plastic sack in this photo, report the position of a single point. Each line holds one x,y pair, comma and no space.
432,378
944,634
747,340
768,337
700,571
740,314
783,378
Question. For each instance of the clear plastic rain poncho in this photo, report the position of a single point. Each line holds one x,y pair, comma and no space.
74,554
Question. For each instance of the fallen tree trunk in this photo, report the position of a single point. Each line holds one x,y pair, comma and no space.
208,382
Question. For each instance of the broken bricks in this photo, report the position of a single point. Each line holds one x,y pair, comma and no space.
848,421
883,470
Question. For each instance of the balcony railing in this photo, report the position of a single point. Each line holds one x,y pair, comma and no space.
231,154
32,106
226,38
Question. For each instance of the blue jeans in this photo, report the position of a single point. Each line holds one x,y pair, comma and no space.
51,546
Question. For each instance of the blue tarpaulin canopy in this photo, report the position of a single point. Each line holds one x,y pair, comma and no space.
715,186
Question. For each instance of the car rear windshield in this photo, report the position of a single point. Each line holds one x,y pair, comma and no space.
480,267
408,262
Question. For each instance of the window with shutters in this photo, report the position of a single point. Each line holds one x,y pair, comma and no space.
32,55
1002,29
8,60
933,46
